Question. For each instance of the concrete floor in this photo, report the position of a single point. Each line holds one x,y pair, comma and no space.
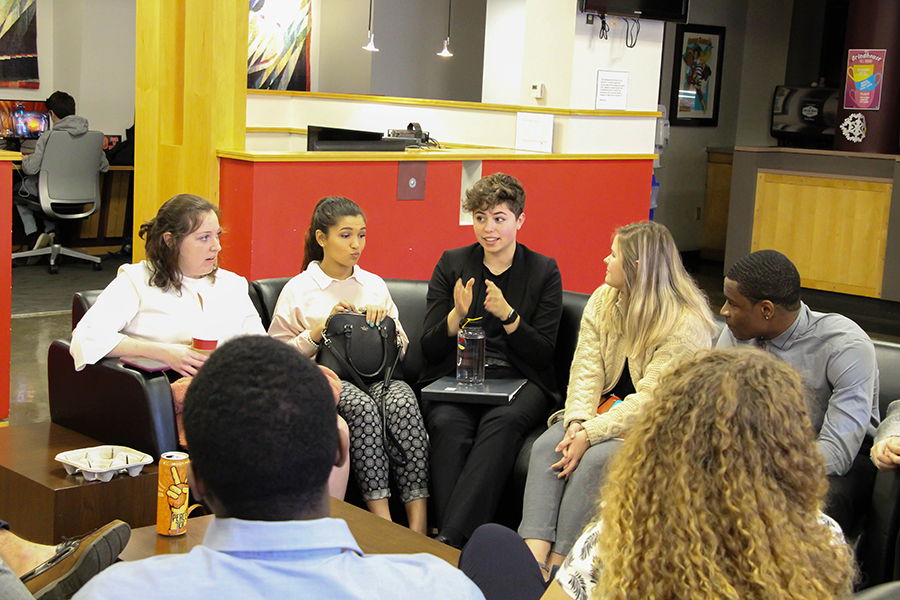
31,337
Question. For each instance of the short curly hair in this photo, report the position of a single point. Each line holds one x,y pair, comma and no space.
767,275
261,424
493,190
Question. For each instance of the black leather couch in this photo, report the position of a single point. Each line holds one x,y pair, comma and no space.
118,405
409,296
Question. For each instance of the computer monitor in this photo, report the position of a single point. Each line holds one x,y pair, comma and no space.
331,139
23,119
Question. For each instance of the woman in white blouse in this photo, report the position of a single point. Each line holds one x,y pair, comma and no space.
715,493
153,309
332,282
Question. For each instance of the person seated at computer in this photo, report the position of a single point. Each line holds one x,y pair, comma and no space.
515,295
29,570
833,354
715,493
62,114
332,282
260,420
648,313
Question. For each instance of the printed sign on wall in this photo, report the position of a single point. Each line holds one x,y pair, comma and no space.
865,70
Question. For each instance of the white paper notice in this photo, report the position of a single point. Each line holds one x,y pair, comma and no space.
612,90
534,131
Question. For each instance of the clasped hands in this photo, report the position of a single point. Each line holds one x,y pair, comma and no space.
886,453
574,444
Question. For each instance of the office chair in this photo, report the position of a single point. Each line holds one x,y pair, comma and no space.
68,187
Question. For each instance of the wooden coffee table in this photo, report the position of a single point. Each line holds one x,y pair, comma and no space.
42,503
373,534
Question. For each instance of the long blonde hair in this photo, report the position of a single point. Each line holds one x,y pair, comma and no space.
658,291
715,492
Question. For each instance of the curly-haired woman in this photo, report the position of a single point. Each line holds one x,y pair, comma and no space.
716,493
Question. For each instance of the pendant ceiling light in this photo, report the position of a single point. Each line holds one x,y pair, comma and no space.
371,45
446,51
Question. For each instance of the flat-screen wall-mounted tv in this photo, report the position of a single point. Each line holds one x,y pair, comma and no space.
659,10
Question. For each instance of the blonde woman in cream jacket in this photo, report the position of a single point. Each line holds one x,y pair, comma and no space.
648,313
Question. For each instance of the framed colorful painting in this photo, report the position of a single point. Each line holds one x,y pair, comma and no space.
278,50
697,75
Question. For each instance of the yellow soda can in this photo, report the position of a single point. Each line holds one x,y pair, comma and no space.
172,494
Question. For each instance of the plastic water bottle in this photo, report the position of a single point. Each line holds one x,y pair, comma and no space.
470,355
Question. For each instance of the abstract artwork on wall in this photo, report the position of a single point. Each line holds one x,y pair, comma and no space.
18,44
278,52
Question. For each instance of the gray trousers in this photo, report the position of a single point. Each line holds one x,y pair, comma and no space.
556,510
10,586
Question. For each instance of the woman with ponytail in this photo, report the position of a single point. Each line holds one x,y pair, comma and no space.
332,282
648,312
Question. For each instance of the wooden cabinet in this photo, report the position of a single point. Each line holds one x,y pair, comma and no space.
715,208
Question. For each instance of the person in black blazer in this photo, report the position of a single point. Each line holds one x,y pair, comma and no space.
518,295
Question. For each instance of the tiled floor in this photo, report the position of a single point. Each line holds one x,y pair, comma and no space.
32,335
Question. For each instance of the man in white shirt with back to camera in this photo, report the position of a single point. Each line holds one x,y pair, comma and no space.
260,420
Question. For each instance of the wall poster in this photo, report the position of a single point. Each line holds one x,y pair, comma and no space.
278,51
697,75
865,69
18,44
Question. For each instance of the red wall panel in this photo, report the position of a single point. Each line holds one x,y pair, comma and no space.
5,284
572,209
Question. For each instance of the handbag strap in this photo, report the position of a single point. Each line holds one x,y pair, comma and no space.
329,343
389,437
382,331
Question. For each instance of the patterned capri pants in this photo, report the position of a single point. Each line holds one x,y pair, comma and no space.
368,457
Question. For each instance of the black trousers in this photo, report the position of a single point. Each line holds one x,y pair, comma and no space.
473,449
850,494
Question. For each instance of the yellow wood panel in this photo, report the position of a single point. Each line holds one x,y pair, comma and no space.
421,155
90,226
834,230
117,204
715,209
190,98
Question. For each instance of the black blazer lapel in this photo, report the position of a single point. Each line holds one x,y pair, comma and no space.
518,280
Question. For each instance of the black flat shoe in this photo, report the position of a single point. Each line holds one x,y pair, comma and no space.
451,538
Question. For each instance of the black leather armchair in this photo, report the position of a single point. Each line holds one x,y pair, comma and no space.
108,401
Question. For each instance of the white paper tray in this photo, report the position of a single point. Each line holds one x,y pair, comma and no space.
104,462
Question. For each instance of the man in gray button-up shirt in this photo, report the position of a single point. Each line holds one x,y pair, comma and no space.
833,354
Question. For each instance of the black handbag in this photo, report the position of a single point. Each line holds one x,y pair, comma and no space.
364,354
357,351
